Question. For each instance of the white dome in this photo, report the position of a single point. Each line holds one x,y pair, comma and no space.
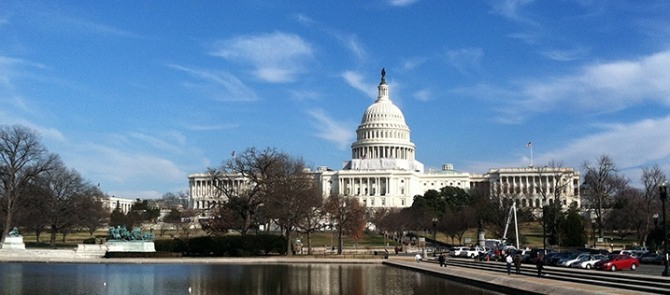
383,137
383,111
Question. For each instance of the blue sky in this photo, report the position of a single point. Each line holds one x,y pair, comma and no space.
136,95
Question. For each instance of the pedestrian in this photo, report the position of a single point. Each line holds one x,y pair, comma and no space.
509,260
517,263
417,257
442,261
539,264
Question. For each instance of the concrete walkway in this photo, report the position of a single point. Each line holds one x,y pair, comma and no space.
512,284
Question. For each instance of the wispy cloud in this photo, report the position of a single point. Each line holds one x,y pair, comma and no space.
96,28
218,85
402,2
512,9
566,55
331,130
355,80
621,84
423,95
12,68
638,144
466,60
602,87
215,127
276,58
352,44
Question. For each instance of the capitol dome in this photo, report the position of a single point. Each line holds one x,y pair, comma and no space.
383,137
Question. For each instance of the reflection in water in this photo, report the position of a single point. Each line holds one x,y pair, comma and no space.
37,278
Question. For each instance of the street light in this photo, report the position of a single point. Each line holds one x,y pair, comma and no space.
434,229
593,228
655,235
663,189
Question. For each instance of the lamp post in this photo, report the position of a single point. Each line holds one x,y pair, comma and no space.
593,228
544,229
655,235
434,229
663,189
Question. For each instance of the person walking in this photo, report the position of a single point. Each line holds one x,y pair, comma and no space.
539,264
517,263
442,260
509,260
417,258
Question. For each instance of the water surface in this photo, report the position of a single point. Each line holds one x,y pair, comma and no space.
45,278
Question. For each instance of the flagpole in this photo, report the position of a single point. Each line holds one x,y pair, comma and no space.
531,155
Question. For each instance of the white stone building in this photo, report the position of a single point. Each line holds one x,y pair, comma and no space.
124,205
383,170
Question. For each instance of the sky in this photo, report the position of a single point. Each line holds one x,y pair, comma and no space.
137,95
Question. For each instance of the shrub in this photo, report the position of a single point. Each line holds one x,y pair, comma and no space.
231,246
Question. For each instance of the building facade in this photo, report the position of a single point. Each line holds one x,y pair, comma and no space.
383,171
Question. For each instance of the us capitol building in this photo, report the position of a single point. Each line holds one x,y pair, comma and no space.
383,171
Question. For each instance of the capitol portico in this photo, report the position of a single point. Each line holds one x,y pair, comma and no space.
384,173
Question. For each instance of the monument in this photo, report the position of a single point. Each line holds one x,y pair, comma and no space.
122,240
14,240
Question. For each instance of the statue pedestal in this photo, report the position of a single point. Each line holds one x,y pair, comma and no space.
130,246
14,243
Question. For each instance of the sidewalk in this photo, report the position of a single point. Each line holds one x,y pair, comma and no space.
516,284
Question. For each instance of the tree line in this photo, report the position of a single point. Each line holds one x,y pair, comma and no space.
271,188
37,190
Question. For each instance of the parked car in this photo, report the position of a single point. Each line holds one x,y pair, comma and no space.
576,257
471,252
651,258
590,262
553,261
640,251
532,255
616,262
456,251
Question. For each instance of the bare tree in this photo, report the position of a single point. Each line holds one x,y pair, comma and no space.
92,213
348,215
63,191
554,182
651,179
244,181
178,200
22,159
291,196
601,184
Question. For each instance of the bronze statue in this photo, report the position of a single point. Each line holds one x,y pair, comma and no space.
14,232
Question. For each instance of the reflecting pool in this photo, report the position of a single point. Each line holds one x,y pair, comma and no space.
63,278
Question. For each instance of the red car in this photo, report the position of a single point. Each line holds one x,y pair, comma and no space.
616,262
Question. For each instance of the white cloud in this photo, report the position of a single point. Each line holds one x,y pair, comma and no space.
631,146
511,9
352,44
595,88
218,85
277,57
465,60
566,55
355,80
331,130
214,127
603,87
423,95
402,2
